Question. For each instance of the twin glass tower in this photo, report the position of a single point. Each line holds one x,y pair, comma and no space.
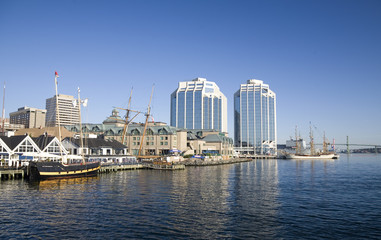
199,104
255,118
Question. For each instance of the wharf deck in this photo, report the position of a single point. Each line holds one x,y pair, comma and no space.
115,168
11,173
165,166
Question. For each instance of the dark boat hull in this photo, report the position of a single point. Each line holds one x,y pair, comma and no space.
54,170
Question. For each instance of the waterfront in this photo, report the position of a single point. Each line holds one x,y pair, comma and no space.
265,199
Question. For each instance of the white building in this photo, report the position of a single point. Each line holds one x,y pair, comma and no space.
255,118
17,150
68,112
199,104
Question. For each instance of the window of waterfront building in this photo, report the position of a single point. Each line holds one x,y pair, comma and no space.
133,138
251,120
206,113
26,147
189,110
162,131
135,132
161,143
244,123
180,109
138,138
216,113
210,113
53,148
149,131
197,110
209,90
166,143
173,109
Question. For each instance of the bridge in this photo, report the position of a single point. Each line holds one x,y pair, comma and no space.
376,147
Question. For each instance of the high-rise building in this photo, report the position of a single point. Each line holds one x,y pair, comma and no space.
30,117
199,104
255,118
68,112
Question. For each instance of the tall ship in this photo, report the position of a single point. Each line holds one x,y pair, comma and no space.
325,154
68,166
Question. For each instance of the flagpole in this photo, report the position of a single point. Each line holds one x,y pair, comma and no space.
2,117
80,125
58,112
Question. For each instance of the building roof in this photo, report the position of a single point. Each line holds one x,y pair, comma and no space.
13,141
217,138
97,143
43,141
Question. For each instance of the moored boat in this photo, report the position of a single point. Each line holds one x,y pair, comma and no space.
52,170
57,169
325,154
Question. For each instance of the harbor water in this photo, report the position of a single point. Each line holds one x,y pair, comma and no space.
261,199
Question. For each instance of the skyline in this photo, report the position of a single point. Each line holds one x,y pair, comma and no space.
315,56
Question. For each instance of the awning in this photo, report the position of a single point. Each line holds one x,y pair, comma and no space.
174,150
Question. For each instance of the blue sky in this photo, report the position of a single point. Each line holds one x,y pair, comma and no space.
322,58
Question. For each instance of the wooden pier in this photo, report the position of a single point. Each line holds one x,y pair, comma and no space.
115,168
165,166
11,174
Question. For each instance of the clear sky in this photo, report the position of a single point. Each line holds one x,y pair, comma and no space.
322,58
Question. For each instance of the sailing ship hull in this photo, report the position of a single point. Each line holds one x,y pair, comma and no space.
54,170
323,156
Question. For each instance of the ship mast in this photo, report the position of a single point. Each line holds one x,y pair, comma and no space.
58,113
312,145
127,117
145,125
80,125
324,144
297,147
3,114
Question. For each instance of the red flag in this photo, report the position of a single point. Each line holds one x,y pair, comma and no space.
57,74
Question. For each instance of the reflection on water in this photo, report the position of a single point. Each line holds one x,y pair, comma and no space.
263,199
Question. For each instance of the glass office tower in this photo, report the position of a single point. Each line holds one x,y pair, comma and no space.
255,118
199,104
